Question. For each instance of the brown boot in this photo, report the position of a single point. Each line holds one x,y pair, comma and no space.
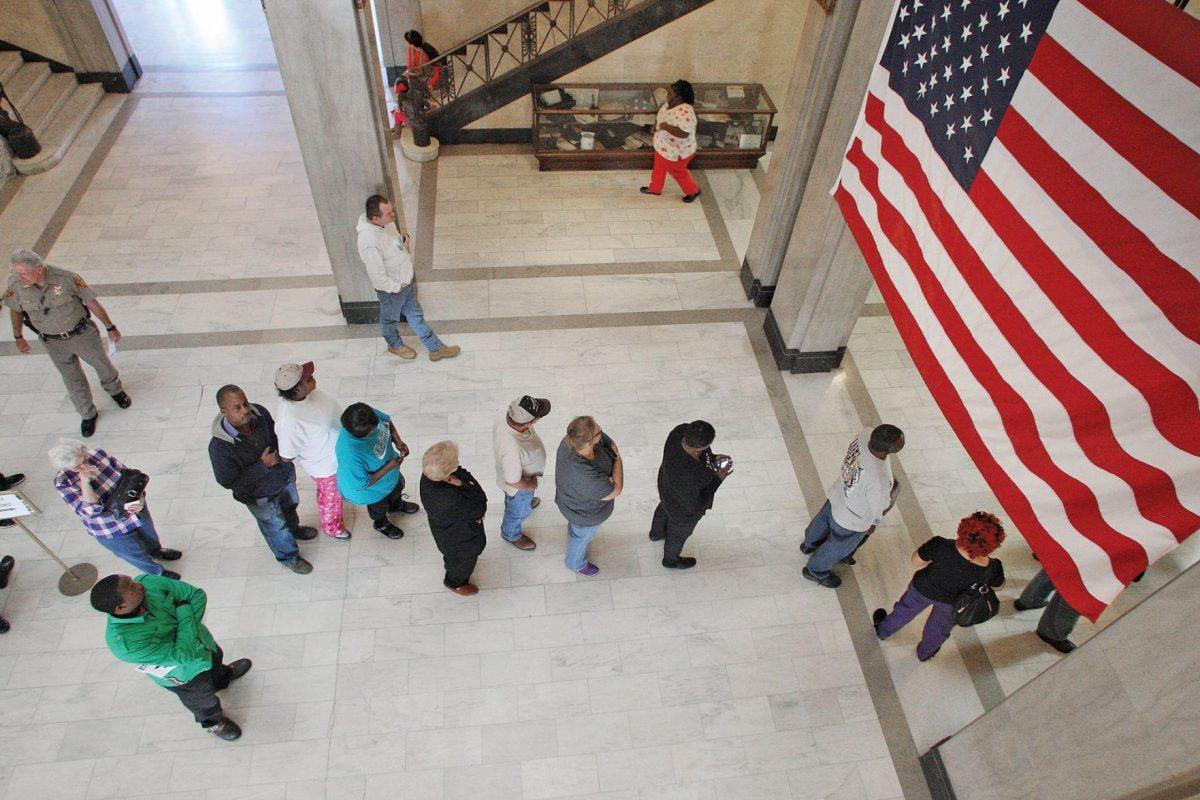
447,351
404,351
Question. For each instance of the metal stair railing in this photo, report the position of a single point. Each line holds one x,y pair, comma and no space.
516,41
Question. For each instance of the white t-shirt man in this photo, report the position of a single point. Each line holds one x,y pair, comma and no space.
517,454
308,431
862,491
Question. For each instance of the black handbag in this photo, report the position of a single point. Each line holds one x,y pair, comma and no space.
19,136
979,602
129,489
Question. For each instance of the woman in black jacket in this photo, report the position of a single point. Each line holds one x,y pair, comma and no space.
455,505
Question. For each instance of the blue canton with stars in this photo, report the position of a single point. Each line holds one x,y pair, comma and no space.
957,64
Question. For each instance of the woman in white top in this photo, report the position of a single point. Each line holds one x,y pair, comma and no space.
675,142
307,423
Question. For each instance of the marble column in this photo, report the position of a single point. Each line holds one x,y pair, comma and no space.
329,62
395,18
95,43
824,280
823,41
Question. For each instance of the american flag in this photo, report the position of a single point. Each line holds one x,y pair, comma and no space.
1024,182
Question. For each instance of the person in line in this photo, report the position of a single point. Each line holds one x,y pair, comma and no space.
1058,620
57,305
858,499
157,625
369,454
307,426
688,480
588,477
6,567
675,142
385,253
455,504
85,481
8,483
520,461
946,570
244,452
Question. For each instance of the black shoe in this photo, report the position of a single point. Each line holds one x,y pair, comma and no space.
808,549
646,190
6,523
298,566
226,729
654,538
11,481
4,626
1019,606
1061,645
931,655
848,561
877,618
88,426
830,581
6,567
684,562
167,554
687,198
122,399
389,530
239,668
170,573
406,507
305,532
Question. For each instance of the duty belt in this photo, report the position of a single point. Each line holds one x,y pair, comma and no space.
78,329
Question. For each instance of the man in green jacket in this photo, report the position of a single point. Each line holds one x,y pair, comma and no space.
155,624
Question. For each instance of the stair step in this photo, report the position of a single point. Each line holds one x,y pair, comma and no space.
10,62
39,112
24,84
64,127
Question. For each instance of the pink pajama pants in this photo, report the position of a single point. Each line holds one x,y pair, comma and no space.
329,504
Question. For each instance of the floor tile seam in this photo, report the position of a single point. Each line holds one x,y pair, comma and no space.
215,94
716,221
9,190
214,285
176,68
452,274
974,655
74,195
886,699
875,310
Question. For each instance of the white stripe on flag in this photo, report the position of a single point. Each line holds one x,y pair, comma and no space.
1093,563
1149,85
1171,228
1115,498
1129,412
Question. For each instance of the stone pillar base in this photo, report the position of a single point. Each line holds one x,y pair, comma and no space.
790,359
414,153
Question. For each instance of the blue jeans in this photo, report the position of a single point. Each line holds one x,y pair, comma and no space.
578,539
516,509
833,542
395,306
278,521
138,546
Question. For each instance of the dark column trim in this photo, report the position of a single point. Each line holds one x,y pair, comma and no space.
756,293
119,82
795,361
31,57
360,312
936,776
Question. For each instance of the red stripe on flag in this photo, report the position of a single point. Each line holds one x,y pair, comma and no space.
1164,32
1058,563
1079,501
1136,137
1171,287
1152,488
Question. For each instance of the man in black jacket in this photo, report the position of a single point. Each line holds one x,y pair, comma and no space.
245,459
687,481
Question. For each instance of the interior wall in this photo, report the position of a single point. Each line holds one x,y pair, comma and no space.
26,24
726,40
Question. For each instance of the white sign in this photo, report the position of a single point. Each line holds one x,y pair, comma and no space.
13,505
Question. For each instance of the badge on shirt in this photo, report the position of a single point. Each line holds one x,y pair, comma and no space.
80,282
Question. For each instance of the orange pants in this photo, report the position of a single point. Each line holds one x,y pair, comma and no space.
677,169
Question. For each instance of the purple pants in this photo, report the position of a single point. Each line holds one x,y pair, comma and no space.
937,628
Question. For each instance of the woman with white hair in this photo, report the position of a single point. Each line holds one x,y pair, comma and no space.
455,505
85,480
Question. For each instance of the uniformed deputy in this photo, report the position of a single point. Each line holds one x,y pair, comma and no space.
57,305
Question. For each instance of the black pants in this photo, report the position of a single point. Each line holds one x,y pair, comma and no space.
378,510
458,569
199,695
673,533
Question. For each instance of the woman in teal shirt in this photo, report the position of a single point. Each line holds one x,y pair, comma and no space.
369,455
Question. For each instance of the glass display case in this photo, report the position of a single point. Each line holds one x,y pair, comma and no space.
607,125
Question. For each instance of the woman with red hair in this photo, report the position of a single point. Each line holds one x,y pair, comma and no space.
947,569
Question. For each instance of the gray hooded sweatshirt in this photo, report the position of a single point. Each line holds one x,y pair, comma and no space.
388,262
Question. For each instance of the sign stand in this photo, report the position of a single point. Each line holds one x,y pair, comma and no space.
75,580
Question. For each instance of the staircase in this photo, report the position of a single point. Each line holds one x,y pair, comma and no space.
54,104
539,44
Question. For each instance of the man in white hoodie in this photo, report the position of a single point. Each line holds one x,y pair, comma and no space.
384,251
